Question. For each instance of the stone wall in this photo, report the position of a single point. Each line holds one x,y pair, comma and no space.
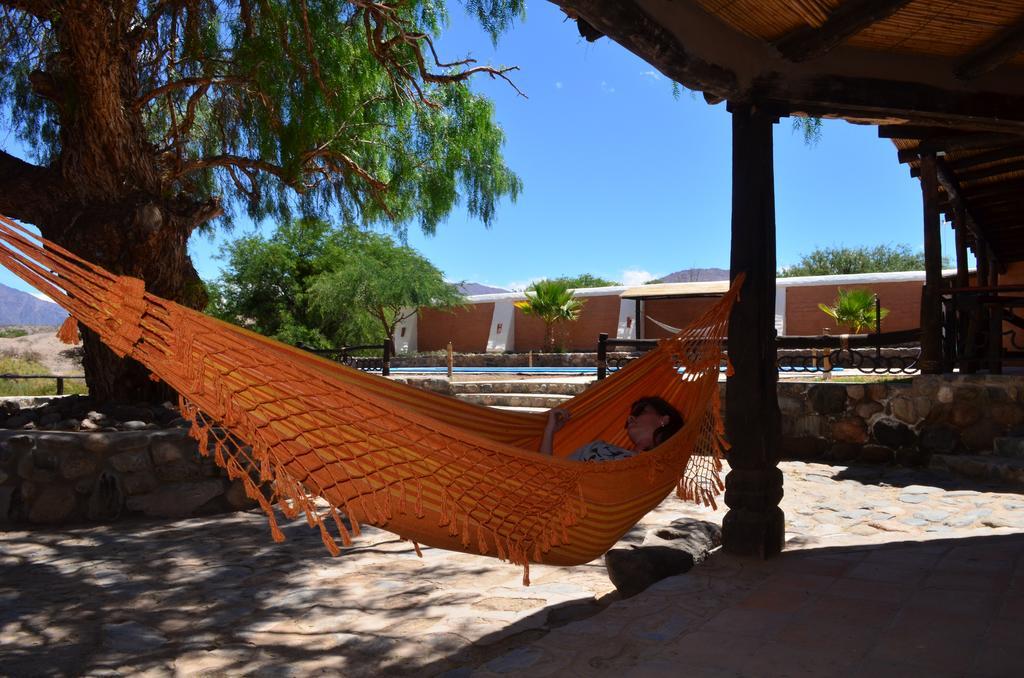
49,477
899,421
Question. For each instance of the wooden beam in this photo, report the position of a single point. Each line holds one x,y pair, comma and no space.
847,20
967,175
987,56
931,311
947,180
1012,150
754,524
1013,186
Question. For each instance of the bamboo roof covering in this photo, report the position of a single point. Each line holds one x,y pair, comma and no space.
715,288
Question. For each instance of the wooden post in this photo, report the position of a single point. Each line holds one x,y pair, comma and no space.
931,299
602,355
754,525
963,279
995,322
451,360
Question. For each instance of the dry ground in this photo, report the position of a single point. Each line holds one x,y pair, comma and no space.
42,344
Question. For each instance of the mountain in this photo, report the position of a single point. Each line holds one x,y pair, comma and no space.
21,308
470,289
696,275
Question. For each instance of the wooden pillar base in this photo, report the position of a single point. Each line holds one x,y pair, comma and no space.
755,525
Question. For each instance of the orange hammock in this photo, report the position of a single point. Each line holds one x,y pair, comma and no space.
428,467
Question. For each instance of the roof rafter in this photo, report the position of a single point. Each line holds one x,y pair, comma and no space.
847,20
949,184
992,54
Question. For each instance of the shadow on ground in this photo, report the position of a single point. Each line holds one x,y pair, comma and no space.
218,596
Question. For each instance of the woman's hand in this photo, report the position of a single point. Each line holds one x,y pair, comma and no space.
557,418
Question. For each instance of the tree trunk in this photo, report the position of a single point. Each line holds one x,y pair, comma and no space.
147,242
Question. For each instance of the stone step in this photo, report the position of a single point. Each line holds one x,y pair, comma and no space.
536,400
543,387
981,466
1011,447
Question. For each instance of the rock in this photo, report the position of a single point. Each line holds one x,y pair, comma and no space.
666,552
166,449
892,433
1006,414
978,437
790,406
803,426
20,420
939,439
25,465
134,426
827,398
236,496
132,413
45,456
179,470
962,415
9,407
77,465
850,430
867,409
49,420
855,391
176,500
845,451
53,505
6,504
802,448
89,425
97,442
68,425
129,462
911,456
903,409
945,394
876,454
139,482
106,499
877,391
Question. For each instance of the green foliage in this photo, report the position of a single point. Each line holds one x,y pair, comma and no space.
12,332
854,309
842,260
11,363
325,287
810,128
553,303
318,106
585,280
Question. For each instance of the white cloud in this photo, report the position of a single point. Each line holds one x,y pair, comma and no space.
653,75
633,276
520,285
606,88
558,84
42,297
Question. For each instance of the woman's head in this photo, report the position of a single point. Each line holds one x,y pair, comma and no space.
651,422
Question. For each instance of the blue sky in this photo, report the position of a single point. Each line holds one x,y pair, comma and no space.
626,181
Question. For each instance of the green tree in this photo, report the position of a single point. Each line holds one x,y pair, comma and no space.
311,283
388,282
552,302
854,309
146,120
585,280
840,260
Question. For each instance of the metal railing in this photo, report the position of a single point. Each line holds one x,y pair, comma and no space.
60,378
345,356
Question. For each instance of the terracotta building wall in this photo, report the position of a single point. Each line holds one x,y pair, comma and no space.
674,312
600,314
466,328
903,299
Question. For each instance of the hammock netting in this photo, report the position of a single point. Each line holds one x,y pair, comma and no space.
349,448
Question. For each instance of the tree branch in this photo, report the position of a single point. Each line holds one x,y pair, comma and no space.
182,84
27,192
42,9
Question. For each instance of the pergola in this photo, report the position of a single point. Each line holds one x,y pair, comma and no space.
944,80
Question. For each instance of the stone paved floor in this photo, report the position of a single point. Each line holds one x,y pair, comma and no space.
887,572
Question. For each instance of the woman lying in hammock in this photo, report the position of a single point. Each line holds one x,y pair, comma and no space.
651,421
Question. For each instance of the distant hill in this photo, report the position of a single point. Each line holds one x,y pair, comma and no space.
470,289
696,275
21,308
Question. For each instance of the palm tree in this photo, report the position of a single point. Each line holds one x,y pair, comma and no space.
553,302
854,309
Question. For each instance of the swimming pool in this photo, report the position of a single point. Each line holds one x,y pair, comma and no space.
548,370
